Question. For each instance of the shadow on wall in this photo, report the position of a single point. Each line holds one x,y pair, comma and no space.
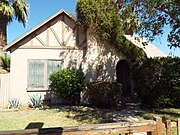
97,59
95,53
100,60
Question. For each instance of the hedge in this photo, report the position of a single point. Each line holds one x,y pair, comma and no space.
104,94
158,81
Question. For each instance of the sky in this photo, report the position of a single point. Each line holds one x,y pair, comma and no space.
41,9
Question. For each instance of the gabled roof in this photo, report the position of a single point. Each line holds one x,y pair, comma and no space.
6,48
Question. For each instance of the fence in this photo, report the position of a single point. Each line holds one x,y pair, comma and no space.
4,89
151,127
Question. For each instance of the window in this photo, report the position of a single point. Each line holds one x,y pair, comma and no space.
39,72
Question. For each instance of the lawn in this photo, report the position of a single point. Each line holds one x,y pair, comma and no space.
165,113
56,117
70,116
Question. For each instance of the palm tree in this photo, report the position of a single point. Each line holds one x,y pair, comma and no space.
10,9
5,62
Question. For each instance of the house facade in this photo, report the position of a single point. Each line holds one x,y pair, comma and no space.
58,42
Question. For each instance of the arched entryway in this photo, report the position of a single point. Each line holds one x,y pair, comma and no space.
123,77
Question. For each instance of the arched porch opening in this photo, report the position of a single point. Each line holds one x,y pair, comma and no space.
123,77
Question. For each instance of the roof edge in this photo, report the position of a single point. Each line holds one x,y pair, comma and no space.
147,47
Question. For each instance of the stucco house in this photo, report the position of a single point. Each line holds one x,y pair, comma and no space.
56,43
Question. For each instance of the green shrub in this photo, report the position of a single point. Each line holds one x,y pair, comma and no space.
67,84
104,94
158,81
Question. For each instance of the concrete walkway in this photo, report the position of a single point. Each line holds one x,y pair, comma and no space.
129,114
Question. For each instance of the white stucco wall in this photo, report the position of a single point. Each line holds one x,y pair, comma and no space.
19,66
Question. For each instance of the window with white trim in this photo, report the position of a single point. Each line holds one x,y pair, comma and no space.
39,72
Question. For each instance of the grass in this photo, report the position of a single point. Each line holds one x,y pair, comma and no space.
166,113
56,117
70,116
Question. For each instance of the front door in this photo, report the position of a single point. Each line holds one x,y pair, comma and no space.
123,77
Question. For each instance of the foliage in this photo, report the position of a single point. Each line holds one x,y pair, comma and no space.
5,62
147,18
14,103
95,14
17,9
157,81
151,17
3,72
36,100
100,17
67,84
131,51
104,94
9,10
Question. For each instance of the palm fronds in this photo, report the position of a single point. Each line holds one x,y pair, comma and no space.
15,8
5,62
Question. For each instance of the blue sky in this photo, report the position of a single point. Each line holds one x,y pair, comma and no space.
42,9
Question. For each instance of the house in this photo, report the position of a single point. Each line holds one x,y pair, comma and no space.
56,43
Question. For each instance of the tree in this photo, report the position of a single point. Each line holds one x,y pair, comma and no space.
5,62
152,16
10,9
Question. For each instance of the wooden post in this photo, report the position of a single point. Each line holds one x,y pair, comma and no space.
128,133
151,133
158,125
178,126
63,29
168,127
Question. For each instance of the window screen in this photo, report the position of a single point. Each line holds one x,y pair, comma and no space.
39,72
36,74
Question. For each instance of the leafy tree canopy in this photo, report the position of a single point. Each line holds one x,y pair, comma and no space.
144,17
152,16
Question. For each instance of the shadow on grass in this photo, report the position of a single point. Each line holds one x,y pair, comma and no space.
86,114
33,125
171,113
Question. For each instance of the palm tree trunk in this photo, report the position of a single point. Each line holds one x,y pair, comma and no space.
3,27
3,33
